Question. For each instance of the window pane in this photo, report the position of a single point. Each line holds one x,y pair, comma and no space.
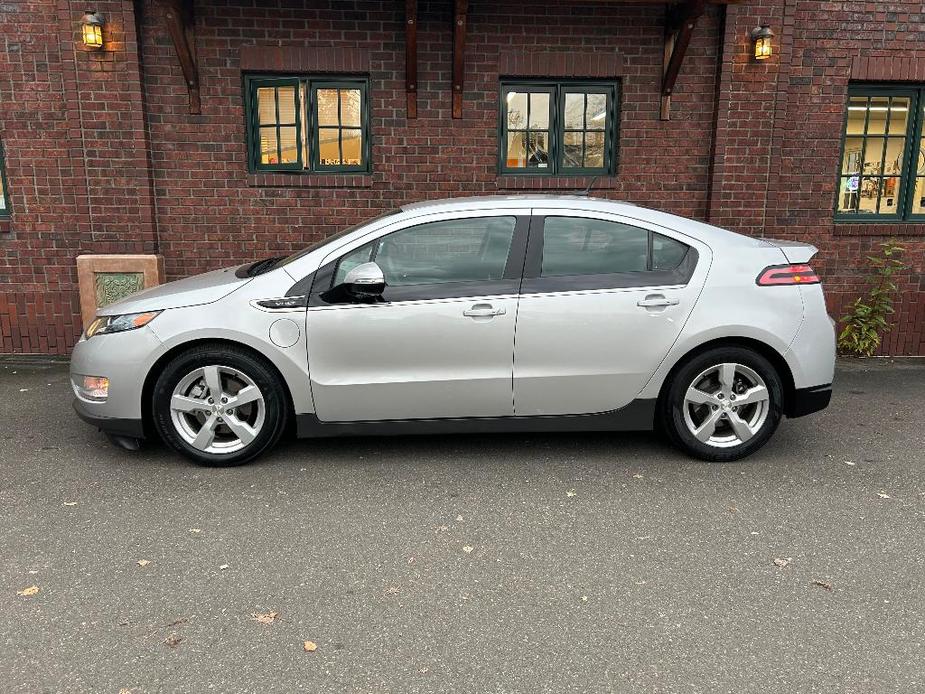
290,153
899,115
352,144
287,106
328,146
539,111
857,112
918,196
538,150
350,107
266,105
516,110
893,163
577,246
327,106
848,193
571,150
594,150
351,260
868,194
876,121
873,155
458,250
596,112
268,146
574,111
851,162
516,150
667,253
889,195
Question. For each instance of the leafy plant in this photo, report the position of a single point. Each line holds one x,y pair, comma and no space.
867,318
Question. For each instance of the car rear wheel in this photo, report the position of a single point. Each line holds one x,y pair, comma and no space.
723,404
219,405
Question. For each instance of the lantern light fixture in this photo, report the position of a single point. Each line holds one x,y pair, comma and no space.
93,23
761,36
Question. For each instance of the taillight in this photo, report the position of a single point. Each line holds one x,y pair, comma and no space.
787,274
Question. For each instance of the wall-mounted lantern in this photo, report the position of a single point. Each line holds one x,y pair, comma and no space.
761,36
93,30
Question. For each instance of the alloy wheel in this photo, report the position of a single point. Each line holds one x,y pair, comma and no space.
726,405
217,409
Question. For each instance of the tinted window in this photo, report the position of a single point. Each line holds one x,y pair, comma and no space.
457,250
579,246
667,253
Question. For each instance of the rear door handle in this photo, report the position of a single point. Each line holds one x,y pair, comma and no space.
484,311
657,301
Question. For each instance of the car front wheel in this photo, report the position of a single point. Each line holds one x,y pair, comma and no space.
723,404
219,405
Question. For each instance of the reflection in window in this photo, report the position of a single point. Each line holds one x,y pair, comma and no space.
304,124
558,128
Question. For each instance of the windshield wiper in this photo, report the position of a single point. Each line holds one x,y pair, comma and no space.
262,266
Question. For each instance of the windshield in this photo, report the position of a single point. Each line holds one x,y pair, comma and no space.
333,237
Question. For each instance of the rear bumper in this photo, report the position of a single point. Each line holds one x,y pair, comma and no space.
110,425
808,400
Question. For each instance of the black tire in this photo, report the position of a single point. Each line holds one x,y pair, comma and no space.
672,416
275,405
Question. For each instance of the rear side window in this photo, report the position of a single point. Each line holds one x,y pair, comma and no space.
456,250
581,246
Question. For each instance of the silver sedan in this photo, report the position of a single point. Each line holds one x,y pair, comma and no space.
527,313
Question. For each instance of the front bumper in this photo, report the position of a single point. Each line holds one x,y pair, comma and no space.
115,426
808,400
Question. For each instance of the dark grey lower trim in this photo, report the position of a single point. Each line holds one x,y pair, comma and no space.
639,415
112,425
808,400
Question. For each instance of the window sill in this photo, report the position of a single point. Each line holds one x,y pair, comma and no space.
873,228
558,182
295,179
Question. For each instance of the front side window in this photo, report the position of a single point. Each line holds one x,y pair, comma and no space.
558,128
457,250
882,172
306,124
4,198
574,246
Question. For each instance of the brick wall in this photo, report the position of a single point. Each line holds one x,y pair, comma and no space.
104,156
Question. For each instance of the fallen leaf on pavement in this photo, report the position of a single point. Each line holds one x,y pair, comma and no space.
310,646
782,563
848,462
195,530
28,592
637,476
884,495
23,390
570,493
823,584
143,562
173,640
70,503
459,519
392,590
265,617
223,567
468,548
733,509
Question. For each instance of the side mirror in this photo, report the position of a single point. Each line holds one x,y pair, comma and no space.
365,281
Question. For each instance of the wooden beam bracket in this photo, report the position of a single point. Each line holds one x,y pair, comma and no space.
411,56
679,27
460,8
178,15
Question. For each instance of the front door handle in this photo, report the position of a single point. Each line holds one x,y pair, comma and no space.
484,311
657,301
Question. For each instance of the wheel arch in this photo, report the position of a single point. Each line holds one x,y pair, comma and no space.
158,366
765,350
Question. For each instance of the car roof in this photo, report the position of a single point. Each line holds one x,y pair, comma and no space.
705,232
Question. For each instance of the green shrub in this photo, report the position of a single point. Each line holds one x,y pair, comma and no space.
867,318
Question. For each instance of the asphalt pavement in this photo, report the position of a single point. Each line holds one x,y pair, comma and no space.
482,564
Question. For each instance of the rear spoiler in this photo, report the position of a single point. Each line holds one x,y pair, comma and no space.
794,251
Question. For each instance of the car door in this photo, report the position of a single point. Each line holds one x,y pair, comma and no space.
440,343
603,299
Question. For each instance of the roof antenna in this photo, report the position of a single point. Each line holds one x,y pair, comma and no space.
587,191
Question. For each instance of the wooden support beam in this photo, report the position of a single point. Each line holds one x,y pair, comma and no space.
679,27
178,15
460,7
411,56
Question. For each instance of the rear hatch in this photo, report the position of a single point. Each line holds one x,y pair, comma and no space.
794,251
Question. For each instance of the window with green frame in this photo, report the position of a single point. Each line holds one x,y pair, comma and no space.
882,173
558,128
4,195
307,124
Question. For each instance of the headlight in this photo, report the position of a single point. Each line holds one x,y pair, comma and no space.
118,324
